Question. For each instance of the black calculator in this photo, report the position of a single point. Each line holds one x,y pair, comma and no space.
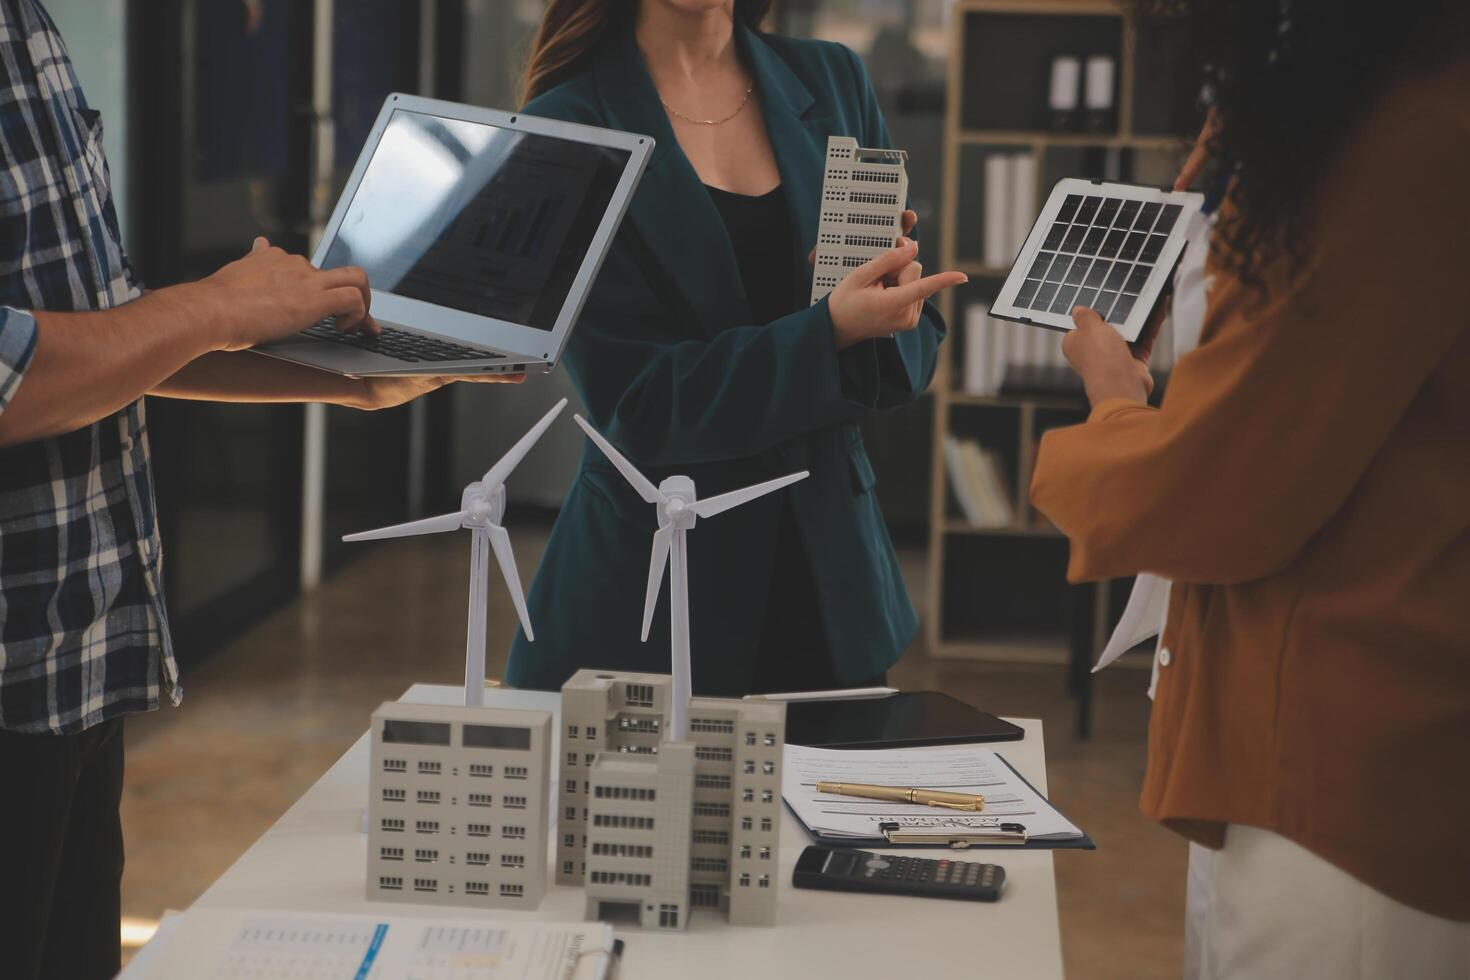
846,870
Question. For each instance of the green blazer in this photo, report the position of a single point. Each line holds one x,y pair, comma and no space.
671,369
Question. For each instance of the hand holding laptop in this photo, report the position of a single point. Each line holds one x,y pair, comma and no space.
269,294
390,391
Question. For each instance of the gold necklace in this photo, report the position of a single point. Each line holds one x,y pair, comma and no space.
711,122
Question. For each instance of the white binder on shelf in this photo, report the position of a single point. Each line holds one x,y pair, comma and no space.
998,210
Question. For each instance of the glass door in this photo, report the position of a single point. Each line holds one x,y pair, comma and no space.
228,137
376,48
221,153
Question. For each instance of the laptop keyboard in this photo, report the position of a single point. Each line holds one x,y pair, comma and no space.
401,345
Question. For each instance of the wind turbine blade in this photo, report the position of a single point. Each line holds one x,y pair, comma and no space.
429,525
645,489
500,541
711,506
662,539
497,474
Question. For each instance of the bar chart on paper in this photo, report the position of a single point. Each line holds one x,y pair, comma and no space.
232,945
301,950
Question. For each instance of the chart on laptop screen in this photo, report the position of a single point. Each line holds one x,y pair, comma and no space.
1097,245
487,220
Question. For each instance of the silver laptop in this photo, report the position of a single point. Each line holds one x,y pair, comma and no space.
480,232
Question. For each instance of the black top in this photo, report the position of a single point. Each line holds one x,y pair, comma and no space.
793,654
760,232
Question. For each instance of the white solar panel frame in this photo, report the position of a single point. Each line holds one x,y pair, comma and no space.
1004,306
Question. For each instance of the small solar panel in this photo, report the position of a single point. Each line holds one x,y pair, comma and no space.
1107,246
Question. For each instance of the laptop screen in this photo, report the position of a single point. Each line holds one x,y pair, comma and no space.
490,221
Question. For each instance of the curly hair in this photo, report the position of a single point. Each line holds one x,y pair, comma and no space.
1288,81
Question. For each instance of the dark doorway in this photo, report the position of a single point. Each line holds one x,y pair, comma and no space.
619,913
223,149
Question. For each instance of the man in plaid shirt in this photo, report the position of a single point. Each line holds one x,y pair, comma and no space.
83,635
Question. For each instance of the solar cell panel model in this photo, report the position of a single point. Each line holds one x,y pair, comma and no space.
864,193
1107,246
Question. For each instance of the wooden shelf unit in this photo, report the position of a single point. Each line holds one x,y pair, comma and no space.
1059,642
1044,140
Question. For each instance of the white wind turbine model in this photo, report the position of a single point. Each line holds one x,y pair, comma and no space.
678,508
480,509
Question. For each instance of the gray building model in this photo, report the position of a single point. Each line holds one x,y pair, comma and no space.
655,828
864,193
457,805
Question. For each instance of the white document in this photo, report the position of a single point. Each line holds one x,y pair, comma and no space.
229,944
953,768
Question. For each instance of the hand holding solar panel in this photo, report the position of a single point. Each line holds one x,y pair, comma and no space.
1109,247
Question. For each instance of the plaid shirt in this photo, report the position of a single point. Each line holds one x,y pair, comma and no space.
83,636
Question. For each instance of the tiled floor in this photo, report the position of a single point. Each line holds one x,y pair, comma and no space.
267,715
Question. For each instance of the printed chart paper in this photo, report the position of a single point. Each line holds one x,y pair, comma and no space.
238,945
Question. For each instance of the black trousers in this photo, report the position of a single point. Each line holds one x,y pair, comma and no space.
61,854
793,653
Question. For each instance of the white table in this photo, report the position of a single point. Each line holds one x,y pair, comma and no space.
313,860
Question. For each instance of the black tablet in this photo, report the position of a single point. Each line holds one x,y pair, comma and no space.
897,721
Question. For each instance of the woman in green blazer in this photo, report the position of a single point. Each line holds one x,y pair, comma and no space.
697,354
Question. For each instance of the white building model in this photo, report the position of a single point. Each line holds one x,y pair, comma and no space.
669,802
656,827
863,198
457,805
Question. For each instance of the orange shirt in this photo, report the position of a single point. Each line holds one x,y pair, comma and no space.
1306,483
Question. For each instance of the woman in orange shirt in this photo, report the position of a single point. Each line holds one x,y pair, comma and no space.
1306,484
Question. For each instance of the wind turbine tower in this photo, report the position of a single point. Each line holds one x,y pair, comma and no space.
481,508
679,507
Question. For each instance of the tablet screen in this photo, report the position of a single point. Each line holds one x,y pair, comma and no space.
913,718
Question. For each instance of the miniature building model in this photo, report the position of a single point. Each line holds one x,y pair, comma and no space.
864,193
457,805
638,856
613,739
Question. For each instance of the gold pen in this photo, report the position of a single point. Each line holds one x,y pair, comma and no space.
903,794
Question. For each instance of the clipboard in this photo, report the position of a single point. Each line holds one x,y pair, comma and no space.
957,833
958,838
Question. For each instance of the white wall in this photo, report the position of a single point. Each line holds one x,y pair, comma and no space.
95,32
